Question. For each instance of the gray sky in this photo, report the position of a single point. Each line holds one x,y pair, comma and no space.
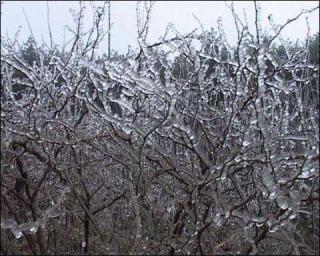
123,16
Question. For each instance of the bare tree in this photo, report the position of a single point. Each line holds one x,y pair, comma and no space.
215,151
109,29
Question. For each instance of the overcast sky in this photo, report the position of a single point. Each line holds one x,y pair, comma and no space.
180,13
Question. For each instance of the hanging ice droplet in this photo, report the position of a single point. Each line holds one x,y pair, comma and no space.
273,229
259,224
281,181
83,244
259,219
217,219
34,229
292,216
127,130
304,175
246,143
272,195
17,233
282,202
237,159
227,215
264,193
254,121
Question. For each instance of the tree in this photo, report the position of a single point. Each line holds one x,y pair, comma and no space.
314,49
215,151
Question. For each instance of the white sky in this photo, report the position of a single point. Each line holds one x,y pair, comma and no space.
180,13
